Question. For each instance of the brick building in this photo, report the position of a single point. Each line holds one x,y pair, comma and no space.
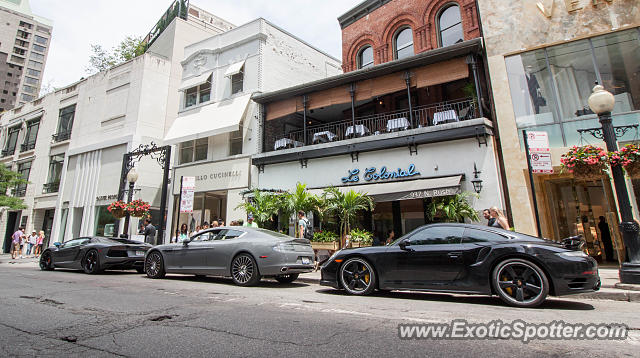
380,25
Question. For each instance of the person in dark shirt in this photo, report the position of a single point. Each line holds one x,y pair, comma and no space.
487,215
605,236
149,232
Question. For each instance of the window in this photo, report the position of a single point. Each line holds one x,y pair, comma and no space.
65,123
198,94
32,72
19,51
237,82
550,87
26,25
41,40
75,242
35,64
450,26
55,172
403,43
104,222
39,48
23,34
21,43
17,59
31,136
43,29
37,57
438,235
27,97
28,89
365,57
12,141
475,235
31,81
194,150
24,169
235,142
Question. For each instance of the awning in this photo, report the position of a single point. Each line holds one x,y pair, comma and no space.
410,189
208,120
234,69
195,81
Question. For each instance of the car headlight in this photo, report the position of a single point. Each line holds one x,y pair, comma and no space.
572,254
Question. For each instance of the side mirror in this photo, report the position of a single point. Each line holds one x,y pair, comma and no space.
57,244
186,242
404,243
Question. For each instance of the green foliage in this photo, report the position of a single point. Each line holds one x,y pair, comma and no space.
346,206
299,199
325,236
101,59
362,236
9,180
262,206
453,208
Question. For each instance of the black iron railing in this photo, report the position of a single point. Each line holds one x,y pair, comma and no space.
8,152
61,136
395,121
50,187
27,146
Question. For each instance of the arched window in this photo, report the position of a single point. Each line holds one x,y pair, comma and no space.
403,43
365,57
450,26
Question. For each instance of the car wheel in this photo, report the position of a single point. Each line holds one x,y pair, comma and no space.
520,283
154,265
91,262
244,270
140,269
287,278
46,261
357,276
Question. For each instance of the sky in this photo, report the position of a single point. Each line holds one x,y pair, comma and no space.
79,23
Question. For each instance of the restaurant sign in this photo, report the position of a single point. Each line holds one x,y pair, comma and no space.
373,174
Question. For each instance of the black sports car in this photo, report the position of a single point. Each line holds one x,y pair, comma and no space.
463,258
95,254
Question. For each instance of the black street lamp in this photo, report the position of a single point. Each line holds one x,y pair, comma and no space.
602,102
132,177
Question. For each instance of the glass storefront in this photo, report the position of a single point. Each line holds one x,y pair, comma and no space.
104,224
550,86
207,207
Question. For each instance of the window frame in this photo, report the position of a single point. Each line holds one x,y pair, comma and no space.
359,57
237,82
198,91
397,48
439,28
193,145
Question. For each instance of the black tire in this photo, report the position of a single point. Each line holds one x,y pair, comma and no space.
91,262
520,283
244,270
140,269
46,261
287,278
154,265
357,276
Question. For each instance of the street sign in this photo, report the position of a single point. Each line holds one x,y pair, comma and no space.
538,141
186,198
541,163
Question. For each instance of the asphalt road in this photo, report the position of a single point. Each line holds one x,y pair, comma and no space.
67,313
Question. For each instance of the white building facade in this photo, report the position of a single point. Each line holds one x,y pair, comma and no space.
217,129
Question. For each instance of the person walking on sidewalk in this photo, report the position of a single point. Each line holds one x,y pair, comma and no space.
31,242
501,220
15,243
39,243
487,215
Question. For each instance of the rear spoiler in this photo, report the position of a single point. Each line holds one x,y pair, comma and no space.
573,243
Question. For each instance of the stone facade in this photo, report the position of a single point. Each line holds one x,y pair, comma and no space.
378,27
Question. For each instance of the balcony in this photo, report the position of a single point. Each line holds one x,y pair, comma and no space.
50,187
8,152
27,146
61,136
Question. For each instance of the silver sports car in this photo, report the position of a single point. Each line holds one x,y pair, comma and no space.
245,254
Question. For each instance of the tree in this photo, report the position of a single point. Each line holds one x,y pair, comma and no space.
346,206
9,180
101,59
453,208
263,205
299,199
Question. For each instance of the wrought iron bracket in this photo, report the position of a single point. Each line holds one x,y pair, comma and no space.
413,149
354,156
303,163
482,138
618,130
260,168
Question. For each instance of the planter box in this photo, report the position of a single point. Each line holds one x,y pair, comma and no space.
324,245
359,244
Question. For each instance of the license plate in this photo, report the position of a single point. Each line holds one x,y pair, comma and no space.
139,253
306,261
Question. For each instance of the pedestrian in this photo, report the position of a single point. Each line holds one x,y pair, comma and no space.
487,215
31,243
24,243
205,225
605,237
198,229
15,243
39,243
250,222
215,224
149,232
305,230
175,236
391,236
184,233
501,220
220,222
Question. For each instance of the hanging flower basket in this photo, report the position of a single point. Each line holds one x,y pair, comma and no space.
585,163
629,158
118,209
138,208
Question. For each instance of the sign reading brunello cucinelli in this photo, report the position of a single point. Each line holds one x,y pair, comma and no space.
373,174
233,174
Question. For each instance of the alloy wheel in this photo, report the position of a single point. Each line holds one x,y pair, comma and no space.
153,265
520,283
357,276
45,261
242,269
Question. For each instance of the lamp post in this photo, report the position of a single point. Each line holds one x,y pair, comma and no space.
602,102
132,177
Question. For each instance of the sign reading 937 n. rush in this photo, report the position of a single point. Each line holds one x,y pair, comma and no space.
372,174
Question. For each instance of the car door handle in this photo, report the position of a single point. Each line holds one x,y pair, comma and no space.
455,254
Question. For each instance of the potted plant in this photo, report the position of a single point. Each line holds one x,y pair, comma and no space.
324,240
118,209
360,238
346,206
587,162
453,208
629,157
138,208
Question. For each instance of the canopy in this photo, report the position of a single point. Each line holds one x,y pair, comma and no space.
208,120
234,69
194,81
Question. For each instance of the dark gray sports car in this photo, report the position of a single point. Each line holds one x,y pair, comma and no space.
95,254
245,254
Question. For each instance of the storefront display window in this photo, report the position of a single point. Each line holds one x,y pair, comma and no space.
550,87
104,224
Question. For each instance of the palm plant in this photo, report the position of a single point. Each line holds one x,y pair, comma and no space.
262,206
346,206
453,208
299,199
